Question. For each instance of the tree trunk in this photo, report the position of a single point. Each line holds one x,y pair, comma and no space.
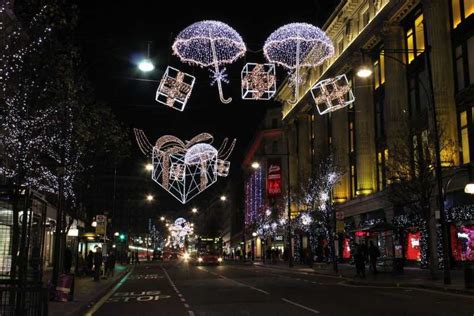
432,244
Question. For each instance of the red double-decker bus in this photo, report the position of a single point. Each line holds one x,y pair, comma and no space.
209,250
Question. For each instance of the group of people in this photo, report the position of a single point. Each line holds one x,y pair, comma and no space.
362,254
94,261
132,257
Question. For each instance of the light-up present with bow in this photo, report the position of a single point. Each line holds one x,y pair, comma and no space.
332,94
175,88
258,81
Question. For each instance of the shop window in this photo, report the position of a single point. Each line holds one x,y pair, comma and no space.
346,250
410,45
456,12
353,181
462,239
464,137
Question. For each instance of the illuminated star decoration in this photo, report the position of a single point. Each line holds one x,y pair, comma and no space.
217,76
297,45
210,44
258,81
332,94
175,88
185,169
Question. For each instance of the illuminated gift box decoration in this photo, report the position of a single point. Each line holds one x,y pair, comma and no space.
332,94
175,88
258,81
184,170
223,168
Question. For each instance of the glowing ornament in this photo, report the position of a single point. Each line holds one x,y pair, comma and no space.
298,45
175,88
332,94
179,230
258,81
185,169
210,44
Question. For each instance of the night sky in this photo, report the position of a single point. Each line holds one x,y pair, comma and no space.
114,37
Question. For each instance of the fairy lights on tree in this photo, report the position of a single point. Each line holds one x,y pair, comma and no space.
210,44
298,45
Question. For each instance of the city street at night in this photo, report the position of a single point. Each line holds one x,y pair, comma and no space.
236,158
180,288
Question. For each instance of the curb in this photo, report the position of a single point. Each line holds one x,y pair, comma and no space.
80,310
102,292
413,286
351,281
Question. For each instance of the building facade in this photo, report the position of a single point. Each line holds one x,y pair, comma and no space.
421,55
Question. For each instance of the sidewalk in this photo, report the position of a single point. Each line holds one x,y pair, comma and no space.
86,292
412,277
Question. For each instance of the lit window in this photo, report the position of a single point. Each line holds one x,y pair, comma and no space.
468,8
420,35
382,67
456,8
376,74
410,45
464,138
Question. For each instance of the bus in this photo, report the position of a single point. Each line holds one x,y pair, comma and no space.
209,250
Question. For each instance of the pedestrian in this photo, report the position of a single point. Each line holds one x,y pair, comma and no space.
111,264
359,259
67,260
90,262
374,254
97,263
310,257
137,261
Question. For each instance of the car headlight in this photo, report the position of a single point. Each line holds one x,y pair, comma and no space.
199,259
186,256
219,259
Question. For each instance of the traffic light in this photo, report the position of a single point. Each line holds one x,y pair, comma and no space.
122,237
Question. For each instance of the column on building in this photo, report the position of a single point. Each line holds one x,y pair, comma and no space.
365,135
396,94
292,138
436,16
340,145
304,146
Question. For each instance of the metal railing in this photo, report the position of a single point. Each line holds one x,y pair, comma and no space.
29,300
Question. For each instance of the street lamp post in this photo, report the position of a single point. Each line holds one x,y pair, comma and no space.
364,73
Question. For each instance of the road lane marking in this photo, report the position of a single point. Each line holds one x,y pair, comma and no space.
237,282
190,312
301,306
106,297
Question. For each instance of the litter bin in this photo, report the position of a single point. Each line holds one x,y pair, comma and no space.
469,275
65,288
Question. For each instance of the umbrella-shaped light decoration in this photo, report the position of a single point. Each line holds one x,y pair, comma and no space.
297,45
210,44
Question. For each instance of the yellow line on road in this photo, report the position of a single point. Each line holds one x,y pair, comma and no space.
104,299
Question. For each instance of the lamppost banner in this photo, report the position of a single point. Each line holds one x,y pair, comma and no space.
274,177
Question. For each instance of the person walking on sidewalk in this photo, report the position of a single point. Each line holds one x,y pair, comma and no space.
67,260
97,263
90,262
374,254
110,264
359,258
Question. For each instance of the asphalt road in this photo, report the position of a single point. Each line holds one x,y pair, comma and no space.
178,288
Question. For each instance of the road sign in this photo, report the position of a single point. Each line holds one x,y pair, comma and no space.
339,226
340,215
101,221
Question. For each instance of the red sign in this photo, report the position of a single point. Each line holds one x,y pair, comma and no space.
274,177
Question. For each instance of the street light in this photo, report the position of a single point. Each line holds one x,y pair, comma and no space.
162,218
364,72
146,65
149,198
255,165
148,167
223,198
94,224
194,210
116,234
469,188
438,169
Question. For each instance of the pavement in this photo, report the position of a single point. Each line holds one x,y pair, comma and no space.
86,293
412,277
180,288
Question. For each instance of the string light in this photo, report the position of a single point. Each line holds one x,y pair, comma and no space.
297,45
185,169
210,44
